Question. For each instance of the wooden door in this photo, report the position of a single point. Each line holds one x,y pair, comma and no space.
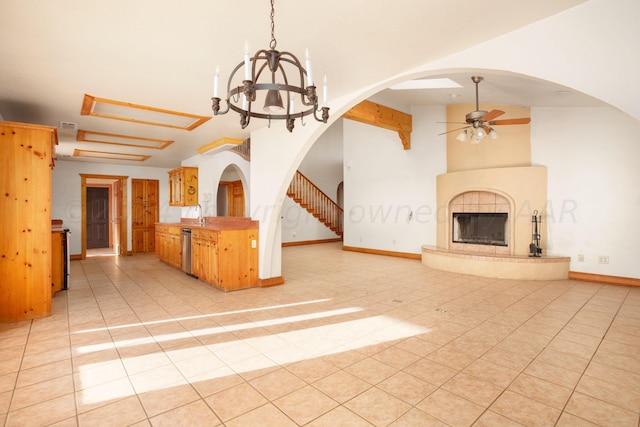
151,213
144,214
237,199
97,217
234,198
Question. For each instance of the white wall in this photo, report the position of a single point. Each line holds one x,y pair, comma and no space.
390,193
323,166
298,225
66,201
591,156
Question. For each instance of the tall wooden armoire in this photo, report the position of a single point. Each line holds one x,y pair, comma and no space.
26,160
144,214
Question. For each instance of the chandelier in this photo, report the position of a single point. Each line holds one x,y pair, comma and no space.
275,79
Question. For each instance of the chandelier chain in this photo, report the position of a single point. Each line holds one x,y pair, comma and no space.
273,42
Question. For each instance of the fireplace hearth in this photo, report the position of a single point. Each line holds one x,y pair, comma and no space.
480,228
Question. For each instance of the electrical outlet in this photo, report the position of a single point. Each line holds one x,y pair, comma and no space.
580,258
603,259
254,243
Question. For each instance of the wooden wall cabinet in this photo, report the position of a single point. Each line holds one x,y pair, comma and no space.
26,160
183,186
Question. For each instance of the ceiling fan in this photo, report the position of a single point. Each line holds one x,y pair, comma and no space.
480,123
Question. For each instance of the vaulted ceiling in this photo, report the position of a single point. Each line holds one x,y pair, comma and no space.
163,54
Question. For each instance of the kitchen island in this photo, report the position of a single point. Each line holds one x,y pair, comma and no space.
224,250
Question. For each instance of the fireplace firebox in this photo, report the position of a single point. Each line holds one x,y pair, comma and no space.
480,228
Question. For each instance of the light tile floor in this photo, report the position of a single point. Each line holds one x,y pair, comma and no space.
349,340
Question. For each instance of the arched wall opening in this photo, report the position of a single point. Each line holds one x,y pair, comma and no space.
232,198
268,194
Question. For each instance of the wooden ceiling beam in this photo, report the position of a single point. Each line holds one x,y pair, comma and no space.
378,115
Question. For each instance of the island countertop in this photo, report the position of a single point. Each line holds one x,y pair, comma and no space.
215,223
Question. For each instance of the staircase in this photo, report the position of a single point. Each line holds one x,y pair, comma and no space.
318,204
244,149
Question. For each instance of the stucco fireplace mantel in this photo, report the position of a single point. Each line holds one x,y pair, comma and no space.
517,191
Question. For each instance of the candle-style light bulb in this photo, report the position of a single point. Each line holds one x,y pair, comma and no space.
247,62
216,83
308,66
325,93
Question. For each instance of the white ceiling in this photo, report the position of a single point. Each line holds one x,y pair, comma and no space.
163,54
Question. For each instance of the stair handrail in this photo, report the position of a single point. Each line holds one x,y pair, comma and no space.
312,198
244,149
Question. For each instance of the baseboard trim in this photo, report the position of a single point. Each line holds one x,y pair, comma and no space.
75,257
311,242
271,281
602,278
381,252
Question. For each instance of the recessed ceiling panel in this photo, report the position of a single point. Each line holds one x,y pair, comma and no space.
115,139
106,155
118,110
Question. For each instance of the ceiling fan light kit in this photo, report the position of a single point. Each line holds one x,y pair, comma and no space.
479,123
299,99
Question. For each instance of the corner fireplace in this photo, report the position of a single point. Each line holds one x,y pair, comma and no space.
480,228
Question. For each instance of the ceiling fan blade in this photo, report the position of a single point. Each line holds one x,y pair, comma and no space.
492,115
522,121
454,130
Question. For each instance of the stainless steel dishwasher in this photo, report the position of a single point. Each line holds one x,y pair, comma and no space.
186,250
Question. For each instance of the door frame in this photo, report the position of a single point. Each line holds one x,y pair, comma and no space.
122,219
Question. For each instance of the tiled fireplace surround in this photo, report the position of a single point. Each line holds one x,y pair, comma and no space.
480,202
518,191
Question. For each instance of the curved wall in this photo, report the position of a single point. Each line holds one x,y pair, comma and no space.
558,49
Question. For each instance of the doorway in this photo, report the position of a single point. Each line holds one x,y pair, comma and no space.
92,190
230,200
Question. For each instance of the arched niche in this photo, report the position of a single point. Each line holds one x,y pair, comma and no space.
232,197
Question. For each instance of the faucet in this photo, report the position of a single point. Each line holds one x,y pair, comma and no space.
200,214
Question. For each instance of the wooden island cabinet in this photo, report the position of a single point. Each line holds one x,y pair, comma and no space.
224,251
168,246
